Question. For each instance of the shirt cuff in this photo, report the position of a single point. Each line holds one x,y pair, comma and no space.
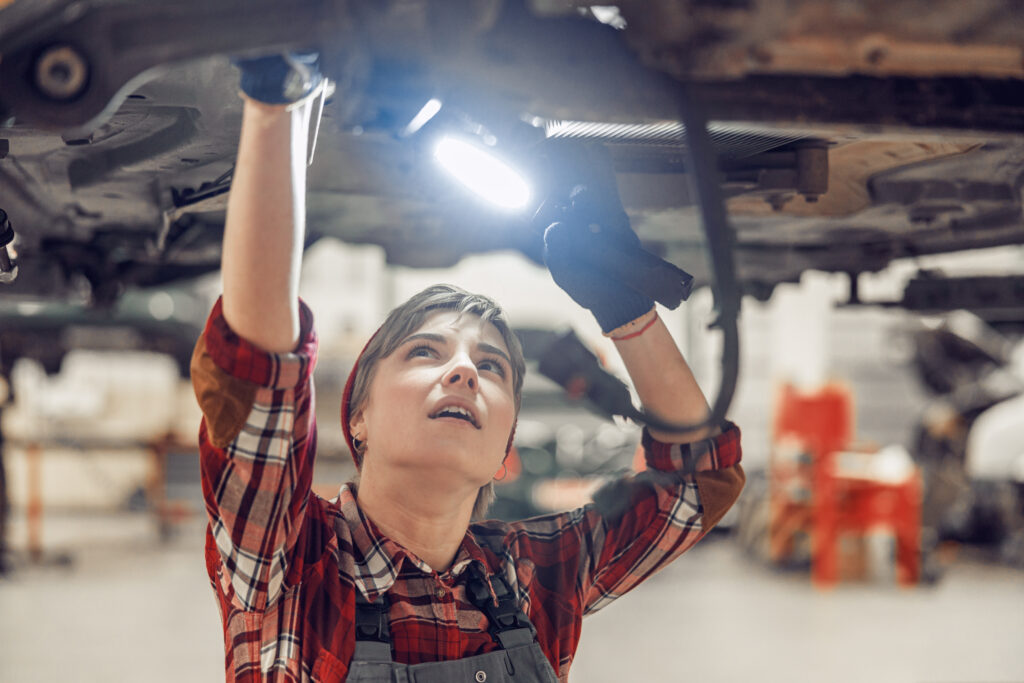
244,360
713,453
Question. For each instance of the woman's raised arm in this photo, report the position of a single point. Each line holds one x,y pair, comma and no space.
265,226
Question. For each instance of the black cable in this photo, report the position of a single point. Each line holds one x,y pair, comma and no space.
568,362
702,163
207,190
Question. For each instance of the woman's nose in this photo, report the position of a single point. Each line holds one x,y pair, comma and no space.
462,371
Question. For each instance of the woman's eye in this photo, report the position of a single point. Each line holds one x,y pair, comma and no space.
422,351
492,365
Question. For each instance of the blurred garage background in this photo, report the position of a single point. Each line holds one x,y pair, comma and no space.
910,487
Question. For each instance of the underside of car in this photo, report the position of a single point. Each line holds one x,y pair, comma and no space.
849,133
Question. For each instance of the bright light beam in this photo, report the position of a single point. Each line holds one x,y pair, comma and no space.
483,173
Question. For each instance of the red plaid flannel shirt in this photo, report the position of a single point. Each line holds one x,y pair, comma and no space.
285,563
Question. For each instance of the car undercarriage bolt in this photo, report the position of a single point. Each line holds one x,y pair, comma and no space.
8,269
62,72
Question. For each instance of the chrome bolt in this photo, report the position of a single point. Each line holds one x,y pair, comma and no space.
61,72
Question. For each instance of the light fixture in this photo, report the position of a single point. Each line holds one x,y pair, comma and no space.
483,172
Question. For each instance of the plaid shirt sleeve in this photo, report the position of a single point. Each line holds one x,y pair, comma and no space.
635,526
257,443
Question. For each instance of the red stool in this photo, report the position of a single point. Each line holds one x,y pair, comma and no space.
861,505
821,425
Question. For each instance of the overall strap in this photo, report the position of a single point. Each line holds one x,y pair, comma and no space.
509,625
373,638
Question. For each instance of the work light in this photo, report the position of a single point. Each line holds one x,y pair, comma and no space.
480,170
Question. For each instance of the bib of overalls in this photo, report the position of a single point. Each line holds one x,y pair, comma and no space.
519,658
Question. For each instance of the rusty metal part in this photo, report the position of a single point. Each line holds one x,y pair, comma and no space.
696,38
812,170
850,167
882,55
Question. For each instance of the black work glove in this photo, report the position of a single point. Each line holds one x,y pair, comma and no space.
283,78
594,222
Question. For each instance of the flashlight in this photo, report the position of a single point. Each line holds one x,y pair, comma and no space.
481,171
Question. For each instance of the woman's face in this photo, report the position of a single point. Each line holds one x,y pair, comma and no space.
442,402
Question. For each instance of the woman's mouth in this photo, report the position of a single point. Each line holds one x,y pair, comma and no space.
457,413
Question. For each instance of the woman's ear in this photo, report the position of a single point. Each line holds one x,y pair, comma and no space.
357,426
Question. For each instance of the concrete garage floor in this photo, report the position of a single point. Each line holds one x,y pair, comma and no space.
131,609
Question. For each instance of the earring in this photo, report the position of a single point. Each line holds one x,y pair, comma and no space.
504,473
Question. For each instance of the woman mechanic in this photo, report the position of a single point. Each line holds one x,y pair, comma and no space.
396,579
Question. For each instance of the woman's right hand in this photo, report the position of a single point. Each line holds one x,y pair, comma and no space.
283,78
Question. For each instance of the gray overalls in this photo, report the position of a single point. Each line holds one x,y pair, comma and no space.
519,659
